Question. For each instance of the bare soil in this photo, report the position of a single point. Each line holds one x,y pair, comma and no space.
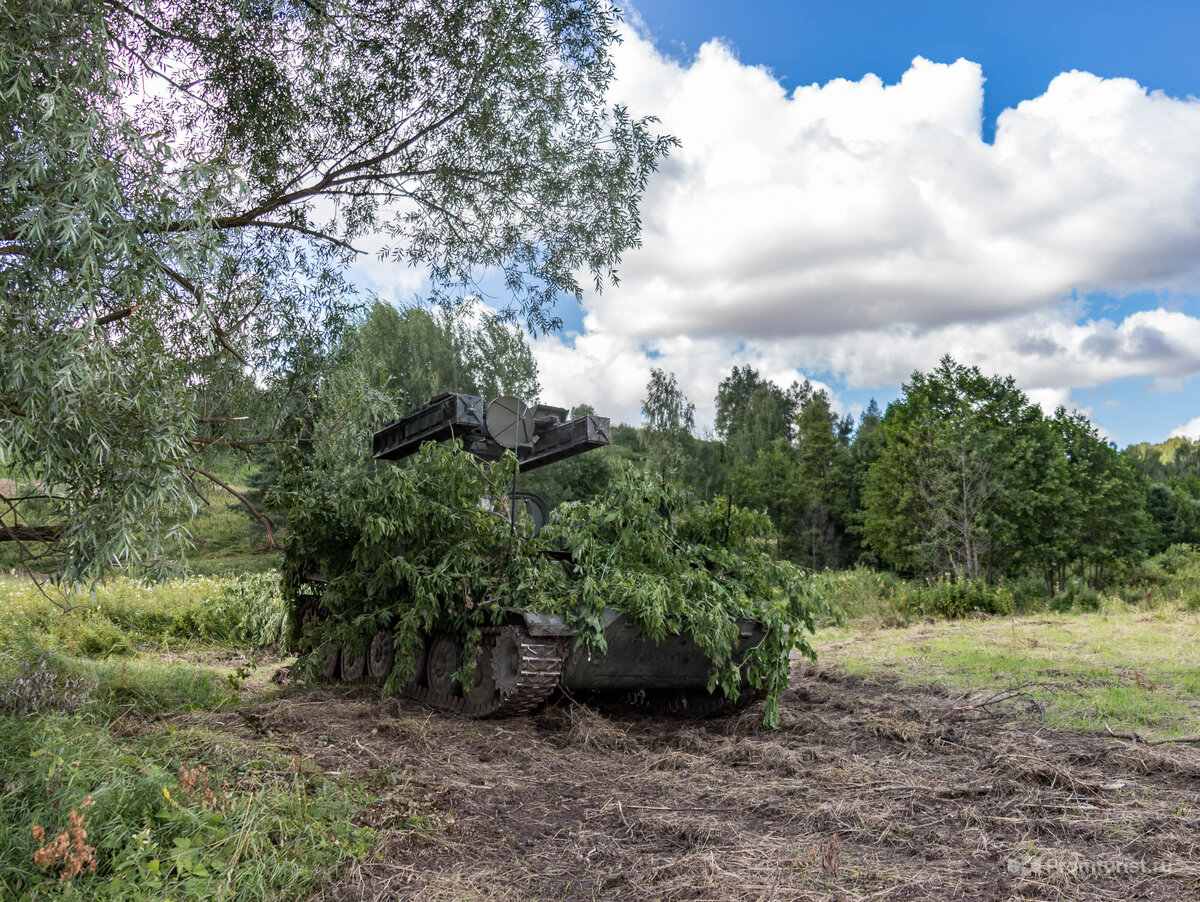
869,790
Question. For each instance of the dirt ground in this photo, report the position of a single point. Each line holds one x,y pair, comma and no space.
869,790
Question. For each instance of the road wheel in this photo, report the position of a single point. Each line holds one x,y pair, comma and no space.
483,679
381,656
354,663
442,662
329,667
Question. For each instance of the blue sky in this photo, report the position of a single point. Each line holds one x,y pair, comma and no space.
863,187
1020,45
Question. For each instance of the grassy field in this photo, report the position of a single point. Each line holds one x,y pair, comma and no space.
141,733
1122,670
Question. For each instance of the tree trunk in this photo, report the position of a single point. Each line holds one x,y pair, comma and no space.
29,533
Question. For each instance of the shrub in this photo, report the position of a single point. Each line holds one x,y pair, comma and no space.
955,598
252,611
864,593
1172,576
1077,597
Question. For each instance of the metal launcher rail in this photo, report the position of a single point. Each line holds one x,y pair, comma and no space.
550,435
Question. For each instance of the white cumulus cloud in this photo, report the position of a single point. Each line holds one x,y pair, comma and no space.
865,229
1189,430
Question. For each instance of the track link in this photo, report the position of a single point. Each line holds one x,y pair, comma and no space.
539,668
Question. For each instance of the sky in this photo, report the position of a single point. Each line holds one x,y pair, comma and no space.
864,187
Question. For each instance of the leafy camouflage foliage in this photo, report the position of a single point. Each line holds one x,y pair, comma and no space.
412,548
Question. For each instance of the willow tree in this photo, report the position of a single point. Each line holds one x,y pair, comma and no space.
668,419
183,184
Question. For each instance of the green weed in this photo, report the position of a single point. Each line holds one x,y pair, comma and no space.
177,815
122,614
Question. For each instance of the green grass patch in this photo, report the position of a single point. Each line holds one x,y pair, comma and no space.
168,814
123,614
224,526
227,541
112,640
1124,669
151,686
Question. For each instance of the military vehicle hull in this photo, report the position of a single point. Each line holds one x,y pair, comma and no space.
527,659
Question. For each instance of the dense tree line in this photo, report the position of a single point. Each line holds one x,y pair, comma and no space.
962,476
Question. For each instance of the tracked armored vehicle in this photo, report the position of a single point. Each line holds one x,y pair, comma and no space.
529,655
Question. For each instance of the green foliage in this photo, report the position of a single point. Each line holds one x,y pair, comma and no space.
1173,576
1174,510
166,816
173,815
683,567
753,412
970,479
773,482
583,477
416,353
865,595
92,419
1101,523
255,606
406,546
412,548
1176,458
952,599
108,646
824,460
246,612
807,484
670,419
148,684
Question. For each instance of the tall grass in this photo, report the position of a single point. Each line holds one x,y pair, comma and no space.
1170,580
128,808
124,614
178,815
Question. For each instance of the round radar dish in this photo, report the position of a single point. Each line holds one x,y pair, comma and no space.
507,424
